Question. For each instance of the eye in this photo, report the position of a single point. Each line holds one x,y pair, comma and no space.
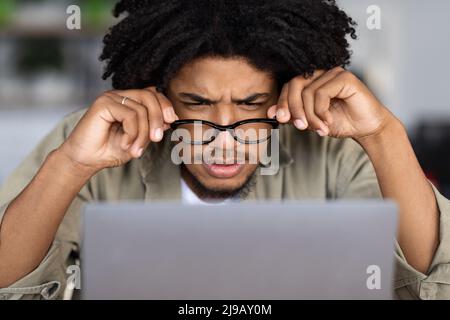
251,105
195,104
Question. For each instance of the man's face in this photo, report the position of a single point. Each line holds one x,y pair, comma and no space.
222,91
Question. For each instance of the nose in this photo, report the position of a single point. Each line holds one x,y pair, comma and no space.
225,114
224,140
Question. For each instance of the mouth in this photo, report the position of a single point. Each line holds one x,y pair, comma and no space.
223,171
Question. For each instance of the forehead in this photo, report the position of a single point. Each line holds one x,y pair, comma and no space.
215,75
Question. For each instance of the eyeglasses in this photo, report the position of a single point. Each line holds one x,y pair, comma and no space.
199,132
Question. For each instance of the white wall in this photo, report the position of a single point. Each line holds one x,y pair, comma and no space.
407,62
20,132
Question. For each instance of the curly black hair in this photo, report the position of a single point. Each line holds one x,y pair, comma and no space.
287,38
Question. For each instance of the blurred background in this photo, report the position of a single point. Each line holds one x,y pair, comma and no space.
47,71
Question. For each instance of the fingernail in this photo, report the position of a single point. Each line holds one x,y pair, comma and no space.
158,134
168,114
174,114
321,133
281,113
300,124
140,152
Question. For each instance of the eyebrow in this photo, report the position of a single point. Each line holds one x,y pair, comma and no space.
198,98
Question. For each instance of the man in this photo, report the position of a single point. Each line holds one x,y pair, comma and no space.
221,62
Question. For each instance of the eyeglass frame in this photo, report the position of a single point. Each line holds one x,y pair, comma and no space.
229,128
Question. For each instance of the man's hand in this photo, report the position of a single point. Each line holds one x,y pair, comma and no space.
333,103
338,104
111,133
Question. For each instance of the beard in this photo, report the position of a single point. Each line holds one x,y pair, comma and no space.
216,194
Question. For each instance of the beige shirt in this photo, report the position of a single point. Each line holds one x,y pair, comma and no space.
311,167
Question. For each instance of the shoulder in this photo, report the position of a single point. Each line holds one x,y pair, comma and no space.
68,123
308,144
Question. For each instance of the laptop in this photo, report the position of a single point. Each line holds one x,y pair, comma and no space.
249,251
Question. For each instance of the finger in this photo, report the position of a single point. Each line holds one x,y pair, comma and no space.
168,111
142,140
315,123
296,104
318,122
321,108
283,115
332,89
116,112
287,96
155,117
272,112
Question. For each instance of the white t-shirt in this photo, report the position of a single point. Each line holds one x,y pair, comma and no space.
189,197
